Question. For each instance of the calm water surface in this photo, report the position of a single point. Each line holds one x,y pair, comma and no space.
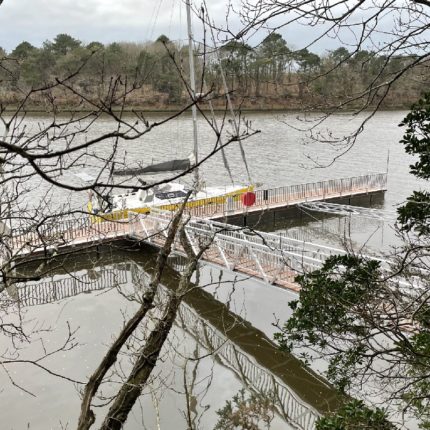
278,155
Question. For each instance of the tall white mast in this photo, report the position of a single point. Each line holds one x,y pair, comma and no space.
192,88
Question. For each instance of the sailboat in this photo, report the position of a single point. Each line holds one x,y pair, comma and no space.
168,196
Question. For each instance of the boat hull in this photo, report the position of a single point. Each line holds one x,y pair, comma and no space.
123,214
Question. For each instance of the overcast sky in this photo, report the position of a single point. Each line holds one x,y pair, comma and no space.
115,20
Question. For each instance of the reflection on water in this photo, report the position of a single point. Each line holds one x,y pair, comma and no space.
359,232
234,353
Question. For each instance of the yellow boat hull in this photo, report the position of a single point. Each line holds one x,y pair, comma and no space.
123,214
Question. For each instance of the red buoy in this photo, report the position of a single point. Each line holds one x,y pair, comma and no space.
248,198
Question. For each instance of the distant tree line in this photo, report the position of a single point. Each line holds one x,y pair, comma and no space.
270,74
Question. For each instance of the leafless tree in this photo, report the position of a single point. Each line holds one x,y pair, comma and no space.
388,36
42,202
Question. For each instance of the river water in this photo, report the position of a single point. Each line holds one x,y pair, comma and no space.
240,311
279,153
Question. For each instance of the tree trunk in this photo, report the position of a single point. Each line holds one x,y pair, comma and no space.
132,388
147,359
87,417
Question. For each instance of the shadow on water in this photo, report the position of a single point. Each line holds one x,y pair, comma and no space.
325,228
255,360
294,216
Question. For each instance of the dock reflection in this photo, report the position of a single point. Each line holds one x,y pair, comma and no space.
301,395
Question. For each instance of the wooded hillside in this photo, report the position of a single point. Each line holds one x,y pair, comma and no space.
269,76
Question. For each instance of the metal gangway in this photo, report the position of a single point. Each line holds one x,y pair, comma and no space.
274,259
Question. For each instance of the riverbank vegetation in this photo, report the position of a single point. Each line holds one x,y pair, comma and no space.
271,75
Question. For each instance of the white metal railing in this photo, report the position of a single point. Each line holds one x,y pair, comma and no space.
290,194
272,256
60,231
232,239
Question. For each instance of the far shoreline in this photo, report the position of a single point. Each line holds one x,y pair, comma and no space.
174,109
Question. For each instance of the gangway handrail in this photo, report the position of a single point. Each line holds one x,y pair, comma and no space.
270,239
264,248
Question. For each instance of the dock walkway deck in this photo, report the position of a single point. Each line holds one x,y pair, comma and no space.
290,195
271,258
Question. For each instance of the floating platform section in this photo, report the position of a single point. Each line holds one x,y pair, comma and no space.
291,195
